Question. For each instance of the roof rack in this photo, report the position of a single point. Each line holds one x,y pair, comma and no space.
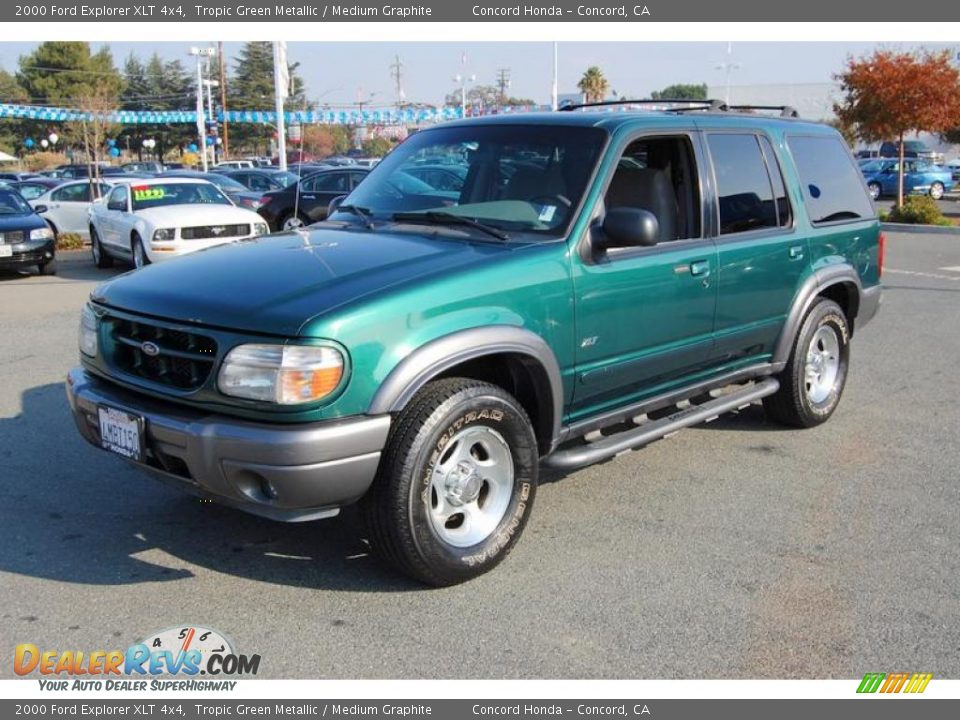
785,110
695,104
688,105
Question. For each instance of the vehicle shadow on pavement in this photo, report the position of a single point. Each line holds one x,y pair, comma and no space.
72,513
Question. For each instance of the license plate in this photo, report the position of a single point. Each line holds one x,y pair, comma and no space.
6,250
121,433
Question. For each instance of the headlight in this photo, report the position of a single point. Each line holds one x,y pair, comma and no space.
282,374
164,234
43,233
88,331
261,229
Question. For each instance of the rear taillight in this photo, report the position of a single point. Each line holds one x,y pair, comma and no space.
881,251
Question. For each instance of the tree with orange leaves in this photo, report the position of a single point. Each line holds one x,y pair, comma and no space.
890,94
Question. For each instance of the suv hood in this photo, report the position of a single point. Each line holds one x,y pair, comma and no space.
274,284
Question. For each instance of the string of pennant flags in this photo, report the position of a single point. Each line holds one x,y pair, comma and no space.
391,116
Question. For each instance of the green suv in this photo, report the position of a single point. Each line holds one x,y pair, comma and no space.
593,282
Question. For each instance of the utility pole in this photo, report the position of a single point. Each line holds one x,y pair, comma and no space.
503,82
281,83
200,53
396,72
223,96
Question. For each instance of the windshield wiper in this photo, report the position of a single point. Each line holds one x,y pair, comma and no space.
439,217
361,212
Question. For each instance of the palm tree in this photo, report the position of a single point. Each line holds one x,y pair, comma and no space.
593,85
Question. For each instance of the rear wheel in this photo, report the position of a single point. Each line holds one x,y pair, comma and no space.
936,190
292,221
140,258
456,483
813,381
100,257
874,189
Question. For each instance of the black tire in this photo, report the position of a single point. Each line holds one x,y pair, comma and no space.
48,268
936,190
796,403
398,508
282,220
137,245
100,257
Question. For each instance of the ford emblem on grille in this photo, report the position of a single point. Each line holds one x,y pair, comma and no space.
151,349
217,229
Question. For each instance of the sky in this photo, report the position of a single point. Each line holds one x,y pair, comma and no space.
342,73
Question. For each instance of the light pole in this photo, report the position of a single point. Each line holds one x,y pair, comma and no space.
200,53
728,67
462,80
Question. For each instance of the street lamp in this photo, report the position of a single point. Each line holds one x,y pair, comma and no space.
728,67
462,80
199,54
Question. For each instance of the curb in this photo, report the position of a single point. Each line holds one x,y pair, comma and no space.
921,229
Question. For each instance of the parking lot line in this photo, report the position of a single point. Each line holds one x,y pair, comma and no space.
915,273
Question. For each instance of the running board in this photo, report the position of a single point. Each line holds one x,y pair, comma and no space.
607,447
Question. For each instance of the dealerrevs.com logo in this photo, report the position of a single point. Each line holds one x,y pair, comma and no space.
154,663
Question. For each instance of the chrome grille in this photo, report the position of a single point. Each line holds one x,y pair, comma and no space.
204,232
162,355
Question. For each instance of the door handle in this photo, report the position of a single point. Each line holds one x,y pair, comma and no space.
796,252
700,268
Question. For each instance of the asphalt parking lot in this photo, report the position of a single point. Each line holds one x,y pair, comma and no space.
733,550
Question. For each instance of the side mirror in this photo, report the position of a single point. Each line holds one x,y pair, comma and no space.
630,227
334,204
39,209
117,206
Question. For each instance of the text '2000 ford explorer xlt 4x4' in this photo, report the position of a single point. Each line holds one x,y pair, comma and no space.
584,282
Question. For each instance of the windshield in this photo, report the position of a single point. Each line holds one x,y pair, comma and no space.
162,194
12,204
525,178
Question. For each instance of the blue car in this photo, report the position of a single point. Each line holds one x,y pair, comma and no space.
920,177
25,238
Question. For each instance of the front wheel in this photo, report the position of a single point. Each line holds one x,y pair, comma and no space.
140,258
814,378
936,190
874,189
456,483
100,257
48,268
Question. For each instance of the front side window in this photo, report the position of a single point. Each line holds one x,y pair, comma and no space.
744,189
328,182
832,186
80,192
515,178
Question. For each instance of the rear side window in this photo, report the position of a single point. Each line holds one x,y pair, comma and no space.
744,188
832,187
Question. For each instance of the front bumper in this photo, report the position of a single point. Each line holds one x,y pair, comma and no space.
30,252
284,472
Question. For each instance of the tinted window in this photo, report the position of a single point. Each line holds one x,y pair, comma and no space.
832,185
328,182
743,184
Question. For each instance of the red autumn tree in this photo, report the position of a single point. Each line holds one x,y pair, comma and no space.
889,94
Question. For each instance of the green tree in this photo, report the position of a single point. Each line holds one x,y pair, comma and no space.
889,94
593,84
57,72
163,86
681,92
251,88
12,132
